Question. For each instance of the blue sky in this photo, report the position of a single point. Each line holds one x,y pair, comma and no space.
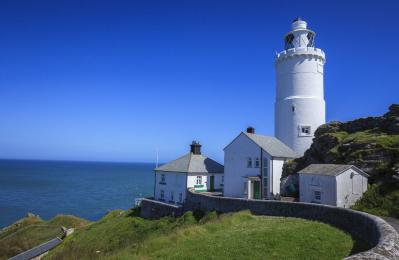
115,80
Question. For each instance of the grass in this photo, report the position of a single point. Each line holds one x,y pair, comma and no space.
123,235
32,231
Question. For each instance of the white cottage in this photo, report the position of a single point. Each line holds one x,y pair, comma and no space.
192,170
251,158
333,184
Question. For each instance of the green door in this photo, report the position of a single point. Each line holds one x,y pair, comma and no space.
256,190
212,183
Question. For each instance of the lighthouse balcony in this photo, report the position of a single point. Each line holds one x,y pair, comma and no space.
299,51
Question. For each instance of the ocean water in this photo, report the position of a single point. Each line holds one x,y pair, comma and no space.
84,189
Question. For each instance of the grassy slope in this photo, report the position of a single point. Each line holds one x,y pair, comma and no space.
32,231
121,235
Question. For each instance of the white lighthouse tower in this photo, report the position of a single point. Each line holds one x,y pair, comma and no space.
300,106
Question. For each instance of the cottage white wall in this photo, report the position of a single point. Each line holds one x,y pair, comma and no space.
175,182
350,190
235,165
277,171
308,183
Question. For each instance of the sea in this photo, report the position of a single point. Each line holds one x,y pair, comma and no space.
84,189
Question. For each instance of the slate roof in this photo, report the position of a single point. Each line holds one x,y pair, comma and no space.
272,145
192,163
38,250
330,169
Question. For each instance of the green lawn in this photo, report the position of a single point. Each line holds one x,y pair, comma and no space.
122,235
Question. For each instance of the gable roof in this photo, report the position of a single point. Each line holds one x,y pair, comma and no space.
192,163
270,145
330,169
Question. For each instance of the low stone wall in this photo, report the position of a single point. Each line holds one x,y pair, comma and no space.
153,209
383,238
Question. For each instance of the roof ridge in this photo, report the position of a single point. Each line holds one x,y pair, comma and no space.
189,162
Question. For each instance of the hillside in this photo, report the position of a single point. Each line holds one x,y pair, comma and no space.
372,144
32,231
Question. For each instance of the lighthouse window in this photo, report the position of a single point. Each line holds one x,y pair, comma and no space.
293,108
288,41
310,39
305,130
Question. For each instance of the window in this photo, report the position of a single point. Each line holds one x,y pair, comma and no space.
293,108
317,195
180,197
162,197
257,162
199,180
172,199
249,162
163,181
305,130
222,181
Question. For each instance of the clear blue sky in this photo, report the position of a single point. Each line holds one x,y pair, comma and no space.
115,80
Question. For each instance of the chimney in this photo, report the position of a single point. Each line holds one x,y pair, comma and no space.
250,130
195,147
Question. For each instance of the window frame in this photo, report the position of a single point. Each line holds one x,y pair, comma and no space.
249,162
198,180
257,162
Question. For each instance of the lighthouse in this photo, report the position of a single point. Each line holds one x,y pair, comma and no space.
299,106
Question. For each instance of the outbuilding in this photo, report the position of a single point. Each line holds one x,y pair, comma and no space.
333,184
192,170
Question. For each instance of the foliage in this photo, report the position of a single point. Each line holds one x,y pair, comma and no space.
380,199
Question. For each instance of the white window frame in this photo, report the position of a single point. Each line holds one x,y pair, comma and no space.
198,181
317,195
304,130
249,162
257,162
163,178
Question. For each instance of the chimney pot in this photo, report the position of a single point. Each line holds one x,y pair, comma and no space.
250,130
195,147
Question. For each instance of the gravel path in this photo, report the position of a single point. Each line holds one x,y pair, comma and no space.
393,222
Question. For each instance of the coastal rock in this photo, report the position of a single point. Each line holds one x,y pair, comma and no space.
371,143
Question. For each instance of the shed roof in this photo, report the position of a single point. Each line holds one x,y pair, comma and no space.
330,169
192,163
272,145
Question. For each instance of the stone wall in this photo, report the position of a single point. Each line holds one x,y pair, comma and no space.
152,209
383,238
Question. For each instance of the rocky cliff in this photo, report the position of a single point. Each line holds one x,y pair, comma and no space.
371,143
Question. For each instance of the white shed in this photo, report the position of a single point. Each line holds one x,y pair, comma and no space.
192,170
333,184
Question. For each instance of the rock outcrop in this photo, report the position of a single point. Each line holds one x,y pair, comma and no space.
371,143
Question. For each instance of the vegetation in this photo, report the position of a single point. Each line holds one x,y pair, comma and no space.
123,235
380,199
372,144
32,231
